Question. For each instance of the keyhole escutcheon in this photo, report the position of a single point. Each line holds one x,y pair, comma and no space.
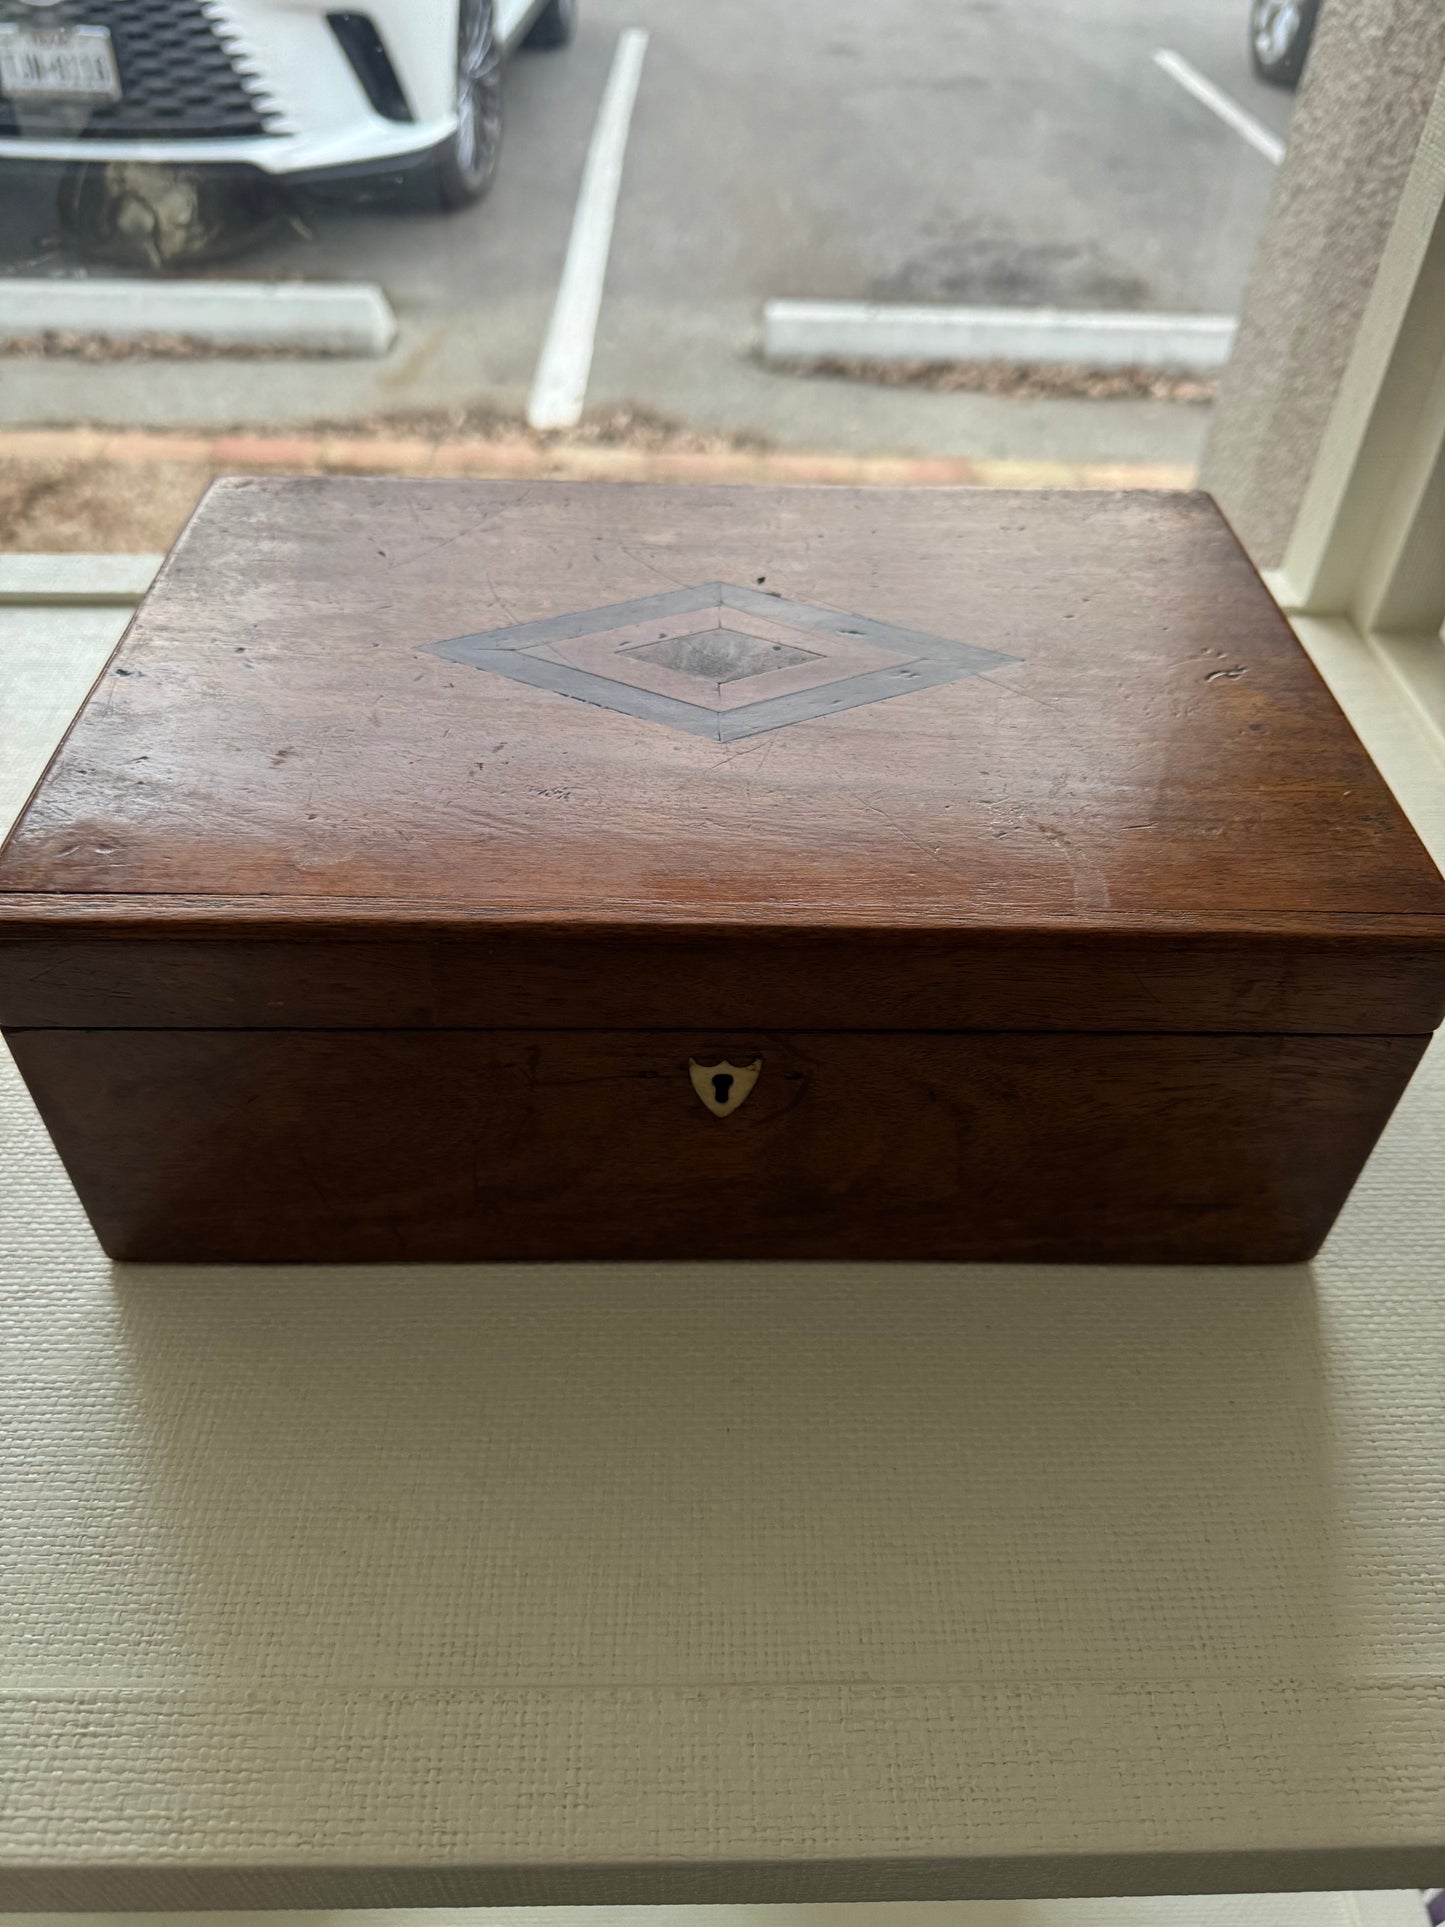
722,1087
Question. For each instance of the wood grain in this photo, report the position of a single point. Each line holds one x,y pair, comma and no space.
286,1145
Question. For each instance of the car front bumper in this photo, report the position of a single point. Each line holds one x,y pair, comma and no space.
308,109
379,146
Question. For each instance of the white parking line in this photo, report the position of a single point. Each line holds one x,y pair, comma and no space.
1218,102
559,387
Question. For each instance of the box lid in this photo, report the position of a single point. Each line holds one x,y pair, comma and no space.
386,752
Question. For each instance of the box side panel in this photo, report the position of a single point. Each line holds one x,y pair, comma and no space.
435,1145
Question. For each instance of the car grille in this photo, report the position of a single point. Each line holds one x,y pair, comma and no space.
180,80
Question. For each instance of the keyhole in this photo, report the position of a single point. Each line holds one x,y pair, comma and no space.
722,1085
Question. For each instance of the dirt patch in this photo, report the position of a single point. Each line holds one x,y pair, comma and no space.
131,490
1018,381
94,505
113,502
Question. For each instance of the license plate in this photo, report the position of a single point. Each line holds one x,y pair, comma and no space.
58,63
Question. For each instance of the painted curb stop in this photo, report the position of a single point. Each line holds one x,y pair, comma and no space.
885,332
308,317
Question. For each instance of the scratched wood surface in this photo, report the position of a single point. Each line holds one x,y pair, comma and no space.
1141,753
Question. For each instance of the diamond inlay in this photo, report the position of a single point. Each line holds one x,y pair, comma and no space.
721,655
721,661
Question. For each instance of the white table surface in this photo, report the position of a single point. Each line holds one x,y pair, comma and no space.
404,1586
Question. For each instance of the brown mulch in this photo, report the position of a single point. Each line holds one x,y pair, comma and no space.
69,344
1022,381
1019,381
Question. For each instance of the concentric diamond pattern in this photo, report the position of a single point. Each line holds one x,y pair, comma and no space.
720,661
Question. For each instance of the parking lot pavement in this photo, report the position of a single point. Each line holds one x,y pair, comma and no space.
983,152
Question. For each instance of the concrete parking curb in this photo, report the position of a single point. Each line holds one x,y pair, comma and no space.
517,457
1195,344
313,317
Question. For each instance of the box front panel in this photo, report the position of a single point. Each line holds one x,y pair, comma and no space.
454,1145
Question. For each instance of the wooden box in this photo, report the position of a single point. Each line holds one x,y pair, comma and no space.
456,871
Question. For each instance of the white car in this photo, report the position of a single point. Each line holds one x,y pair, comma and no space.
1280,32
299,89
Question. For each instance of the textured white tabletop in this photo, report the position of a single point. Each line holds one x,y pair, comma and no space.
422,1586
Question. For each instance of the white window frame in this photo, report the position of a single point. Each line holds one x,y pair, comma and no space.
1365,562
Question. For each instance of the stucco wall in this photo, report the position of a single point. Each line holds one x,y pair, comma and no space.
1371,76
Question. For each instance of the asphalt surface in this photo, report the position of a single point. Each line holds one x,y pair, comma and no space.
976,151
